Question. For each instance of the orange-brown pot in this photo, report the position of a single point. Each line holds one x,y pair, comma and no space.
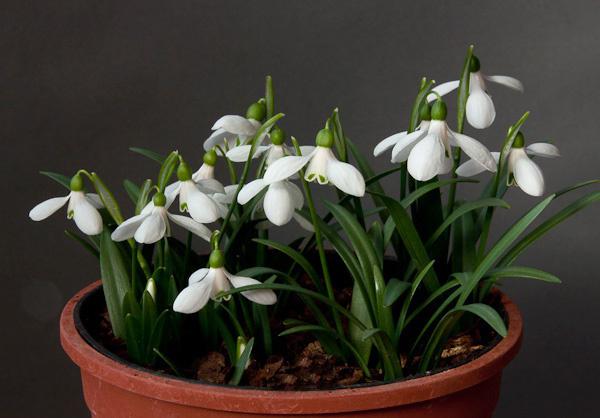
115,389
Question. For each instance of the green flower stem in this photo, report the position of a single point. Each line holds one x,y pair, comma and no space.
246,170
319,242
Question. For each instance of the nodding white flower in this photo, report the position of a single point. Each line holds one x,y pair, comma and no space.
230,128
153,223
480,109
207,169
429,153
195,197
275,150
522,171
279,202
401,143
209,282
323,167
82,208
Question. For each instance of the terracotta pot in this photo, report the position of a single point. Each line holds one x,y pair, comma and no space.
115,389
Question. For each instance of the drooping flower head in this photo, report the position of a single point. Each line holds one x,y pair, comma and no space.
207,169
208,283
480,110
323,167
231,130
522,171
153,223
83,208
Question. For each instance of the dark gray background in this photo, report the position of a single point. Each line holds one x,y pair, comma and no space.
82,81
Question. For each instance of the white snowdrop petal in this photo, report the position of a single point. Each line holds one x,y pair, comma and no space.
47,207
387,143
480,109
191,225
543,149
152,228
427,158
262,297
205,172
200,275
201,207
295,194
95,200
127,229
173,189
528,176
476,150
507,81
220,137
346,177
303,222
193,298
240,154
317,167
210,186
285,167
307,149
250,190
236,124
274,153
469,168
402,149
443,89
278,204
86,216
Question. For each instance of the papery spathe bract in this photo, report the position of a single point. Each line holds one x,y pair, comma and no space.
82,208
208,283
153,223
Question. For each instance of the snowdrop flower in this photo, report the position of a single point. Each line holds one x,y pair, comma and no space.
153,223
323,167
522,171
194,196
398,141
273,151
207,169
82,208
429,154
280,201
209,282
480,109
229,128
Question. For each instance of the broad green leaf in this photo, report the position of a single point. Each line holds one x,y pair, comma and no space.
359,307
59,178
108,199
501,246
155,156
156,336
394,289
149,315
132,336
115,281
411,240
384,312
523,272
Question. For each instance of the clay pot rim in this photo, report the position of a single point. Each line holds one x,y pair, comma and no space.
185,391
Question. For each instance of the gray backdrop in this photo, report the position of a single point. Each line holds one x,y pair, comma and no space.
82,81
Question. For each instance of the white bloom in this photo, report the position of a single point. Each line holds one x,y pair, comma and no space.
402,142
207,169
323,167
153,223
522,171
480,110
209,282
196,198
280,201
228,129
273,152
82,208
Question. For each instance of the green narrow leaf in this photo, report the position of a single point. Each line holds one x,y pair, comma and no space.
463,91
155,156
59,178
360,309
394,289
108,199
501,246
426,188
115,281
269,97
85,244
143,196
523,272
384,312
156,336
132,335
166,170
132,190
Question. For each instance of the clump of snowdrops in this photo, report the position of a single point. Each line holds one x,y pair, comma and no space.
418,262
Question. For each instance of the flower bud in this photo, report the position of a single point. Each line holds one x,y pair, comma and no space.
159,199
439,110
151,288
474,64
425,111
324,138
184,171
76,183
210,158
277,136
216,259
256,111
519,141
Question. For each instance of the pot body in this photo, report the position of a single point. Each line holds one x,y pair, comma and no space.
114,389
